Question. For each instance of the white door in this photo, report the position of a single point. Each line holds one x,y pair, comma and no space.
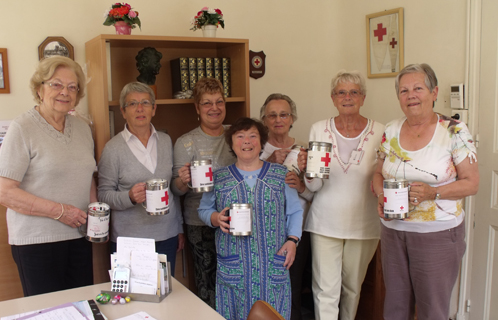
484,269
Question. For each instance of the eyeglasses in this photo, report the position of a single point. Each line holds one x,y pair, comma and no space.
273,116
134,104
352,93
219,104
57,86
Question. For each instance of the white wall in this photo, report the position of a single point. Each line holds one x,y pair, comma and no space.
306,43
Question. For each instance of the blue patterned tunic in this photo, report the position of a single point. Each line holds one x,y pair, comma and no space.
249,268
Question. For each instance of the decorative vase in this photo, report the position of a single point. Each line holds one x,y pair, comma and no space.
122,27
209,31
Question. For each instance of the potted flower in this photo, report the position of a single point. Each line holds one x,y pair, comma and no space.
208,20
122,17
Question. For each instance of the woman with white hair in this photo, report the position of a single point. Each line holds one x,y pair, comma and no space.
342,220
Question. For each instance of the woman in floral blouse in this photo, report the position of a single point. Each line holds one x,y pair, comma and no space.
421,254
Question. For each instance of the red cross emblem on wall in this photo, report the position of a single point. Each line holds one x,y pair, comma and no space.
326,159
165,198
393,43
209,174
380,32
256,64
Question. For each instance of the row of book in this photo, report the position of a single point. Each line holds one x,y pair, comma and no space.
186,71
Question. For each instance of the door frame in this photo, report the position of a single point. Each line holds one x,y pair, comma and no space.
472,85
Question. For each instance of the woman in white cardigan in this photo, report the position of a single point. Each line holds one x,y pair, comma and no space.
342,220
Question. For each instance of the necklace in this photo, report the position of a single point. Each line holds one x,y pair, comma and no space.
212,135
424,127
41,114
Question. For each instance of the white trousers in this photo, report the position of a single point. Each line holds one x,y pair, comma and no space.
339,268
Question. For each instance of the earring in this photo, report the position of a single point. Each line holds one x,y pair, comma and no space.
198,118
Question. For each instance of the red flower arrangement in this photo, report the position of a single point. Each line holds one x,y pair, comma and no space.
122,12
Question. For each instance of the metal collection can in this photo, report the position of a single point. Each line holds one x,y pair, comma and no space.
291,160
156,197
201,172
240,219
396,198
318,165
96,228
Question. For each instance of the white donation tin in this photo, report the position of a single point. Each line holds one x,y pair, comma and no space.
396,198
240,219
156,197
201,173
291,160
319,159
96,228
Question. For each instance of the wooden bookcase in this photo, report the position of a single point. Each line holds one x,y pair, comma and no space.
111,64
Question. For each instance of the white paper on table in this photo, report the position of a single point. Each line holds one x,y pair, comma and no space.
67,313
126,244
82,306
144,266
114,260
140,286
138,316
164,273
163,284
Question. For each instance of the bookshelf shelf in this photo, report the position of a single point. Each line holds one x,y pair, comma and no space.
159,102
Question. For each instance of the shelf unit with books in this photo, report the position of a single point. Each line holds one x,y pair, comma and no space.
111,64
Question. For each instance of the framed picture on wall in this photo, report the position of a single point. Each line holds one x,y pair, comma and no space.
4,72
55,46
385,56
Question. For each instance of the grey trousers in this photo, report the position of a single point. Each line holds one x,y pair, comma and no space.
420,269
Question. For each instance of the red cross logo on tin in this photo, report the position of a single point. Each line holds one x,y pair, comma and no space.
165,198
380,32
401,208
209,174
393,43
326,159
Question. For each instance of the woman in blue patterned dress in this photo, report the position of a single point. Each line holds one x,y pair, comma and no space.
254,267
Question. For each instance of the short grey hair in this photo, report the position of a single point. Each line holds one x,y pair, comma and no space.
344,76
425,69
135,87
279,96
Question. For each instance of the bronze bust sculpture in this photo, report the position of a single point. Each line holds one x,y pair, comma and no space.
148,65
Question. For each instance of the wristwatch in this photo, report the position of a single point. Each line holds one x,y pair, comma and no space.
293,240
438,196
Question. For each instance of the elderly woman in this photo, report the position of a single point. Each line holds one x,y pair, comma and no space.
253,267
421,254
278,114
137,154
204,142
46,182
342,220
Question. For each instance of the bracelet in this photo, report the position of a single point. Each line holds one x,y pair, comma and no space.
378,196
62,212
293,240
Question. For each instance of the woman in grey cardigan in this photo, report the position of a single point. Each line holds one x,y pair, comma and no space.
137,154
